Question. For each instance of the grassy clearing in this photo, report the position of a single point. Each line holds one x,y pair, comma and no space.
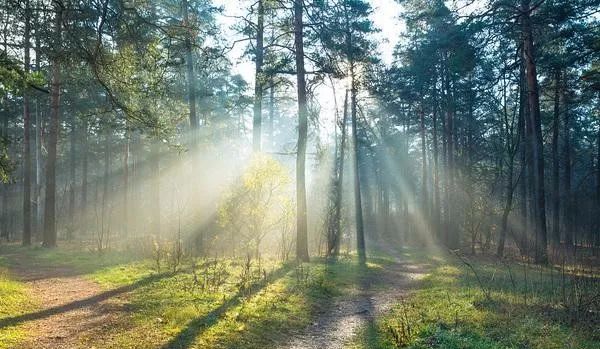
207,303
511,306
228,303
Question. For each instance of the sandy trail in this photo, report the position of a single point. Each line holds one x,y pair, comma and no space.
70,306
337,324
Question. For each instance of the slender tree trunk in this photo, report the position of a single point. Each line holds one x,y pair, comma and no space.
555,162
424,157
126,181
541,255
105,190
50,207
335,232
360,230
38,141
568,200
436,172
258,79
511,150
4,213
301,225
83,215
191,77
27,135
155,190
507,207
271,110
72,173
597,242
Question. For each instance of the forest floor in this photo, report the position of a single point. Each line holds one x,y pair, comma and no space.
335,325
490,303
70,305
73,298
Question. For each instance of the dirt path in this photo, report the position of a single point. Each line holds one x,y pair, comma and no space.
70,307
336,325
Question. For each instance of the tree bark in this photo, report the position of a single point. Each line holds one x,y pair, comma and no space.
301,224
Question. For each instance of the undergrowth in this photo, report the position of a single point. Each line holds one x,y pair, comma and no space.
491,304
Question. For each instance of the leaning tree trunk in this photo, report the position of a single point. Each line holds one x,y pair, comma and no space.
301,216
50,207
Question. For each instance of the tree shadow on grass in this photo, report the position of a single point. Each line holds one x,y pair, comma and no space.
16,320
185,338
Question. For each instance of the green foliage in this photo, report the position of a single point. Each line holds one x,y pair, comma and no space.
258,205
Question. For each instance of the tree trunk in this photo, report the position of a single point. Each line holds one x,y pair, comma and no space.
555,162
541,255
155,189
271,111
258,80
333,247
424,190
360,230
436,172
126,181
50,207
38,141
568,200
301,225
191,77
72,173
84,174
26,136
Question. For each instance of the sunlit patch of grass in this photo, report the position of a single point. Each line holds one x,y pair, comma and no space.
77,258
14,301
510,306
225,303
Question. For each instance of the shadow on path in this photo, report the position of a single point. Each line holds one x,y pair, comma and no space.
15,320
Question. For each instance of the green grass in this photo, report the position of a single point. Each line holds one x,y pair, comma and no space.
14,301
221,303
512,306
223,309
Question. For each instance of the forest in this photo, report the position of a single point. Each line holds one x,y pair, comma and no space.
304,174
